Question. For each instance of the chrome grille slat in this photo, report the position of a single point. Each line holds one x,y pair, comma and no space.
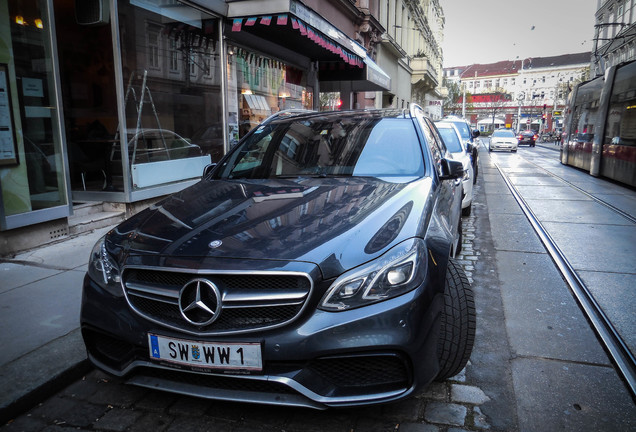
150,296
251,301
131,286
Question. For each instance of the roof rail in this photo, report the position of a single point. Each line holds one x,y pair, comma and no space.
414,107
291,111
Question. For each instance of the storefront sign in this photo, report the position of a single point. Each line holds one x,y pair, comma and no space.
32,87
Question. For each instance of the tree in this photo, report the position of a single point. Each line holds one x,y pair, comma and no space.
454,100
496,102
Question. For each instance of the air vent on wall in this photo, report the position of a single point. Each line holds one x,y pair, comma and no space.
92,12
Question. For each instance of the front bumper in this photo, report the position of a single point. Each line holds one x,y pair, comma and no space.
503,146
378,353
467,197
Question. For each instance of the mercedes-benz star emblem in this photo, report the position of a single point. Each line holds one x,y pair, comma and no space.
215,244
200,302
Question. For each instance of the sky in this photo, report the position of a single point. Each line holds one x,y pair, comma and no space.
488,31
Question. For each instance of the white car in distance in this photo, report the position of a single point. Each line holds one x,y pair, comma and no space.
503,139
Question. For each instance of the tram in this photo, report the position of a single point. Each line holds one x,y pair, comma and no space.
599,134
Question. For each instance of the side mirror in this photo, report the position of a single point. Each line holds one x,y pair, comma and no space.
208,169
476,133
451,169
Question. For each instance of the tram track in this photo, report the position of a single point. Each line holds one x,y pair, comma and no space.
584,192
610,338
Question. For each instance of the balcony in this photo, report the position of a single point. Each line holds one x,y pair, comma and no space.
424,75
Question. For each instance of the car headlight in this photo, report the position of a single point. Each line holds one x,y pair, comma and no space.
398,271
103,269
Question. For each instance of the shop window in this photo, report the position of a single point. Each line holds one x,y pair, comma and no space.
31,161
171,94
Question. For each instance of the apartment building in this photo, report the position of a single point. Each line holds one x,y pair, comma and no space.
527,93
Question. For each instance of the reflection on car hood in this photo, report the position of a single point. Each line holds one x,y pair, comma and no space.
336,223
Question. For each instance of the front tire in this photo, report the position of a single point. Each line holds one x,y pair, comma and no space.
458,323
466,211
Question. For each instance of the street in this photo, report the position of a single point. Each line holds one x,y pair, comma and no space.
537,364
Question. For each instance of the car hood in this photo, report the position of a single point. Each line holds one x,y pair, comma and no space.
335,223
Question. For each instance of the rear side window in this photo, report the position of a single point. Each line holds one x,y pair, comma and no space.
463,129
434,143
451,139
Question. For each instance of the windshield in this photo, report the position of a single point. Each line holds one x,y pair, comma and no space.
451,139
503,134
368,147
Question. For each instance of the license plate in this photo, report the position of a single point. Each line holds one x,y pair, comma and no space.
213,355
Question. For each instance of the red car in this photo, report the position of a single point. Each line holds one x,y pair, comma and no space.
527,137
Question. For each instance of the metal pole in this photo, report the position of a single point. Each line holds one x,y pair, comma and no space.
464,101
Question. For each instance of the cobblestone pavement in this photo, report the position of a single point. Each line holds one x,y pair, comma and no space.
100,403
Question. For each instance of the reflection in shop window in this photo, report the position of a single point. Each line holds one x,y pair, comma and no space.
174,56
153,46
260,86
173,113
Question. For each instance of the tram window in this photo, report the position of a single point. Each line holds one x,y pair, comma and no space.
620,128
585,111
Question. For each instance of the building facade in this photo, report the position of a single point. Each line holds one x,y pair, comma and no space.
126,101
528,93
614,34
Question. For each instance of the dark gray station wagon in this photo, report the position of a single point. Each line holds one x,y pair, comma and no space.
311,267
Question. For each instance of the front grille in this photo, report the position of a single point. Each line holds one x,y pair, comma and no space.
249,301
